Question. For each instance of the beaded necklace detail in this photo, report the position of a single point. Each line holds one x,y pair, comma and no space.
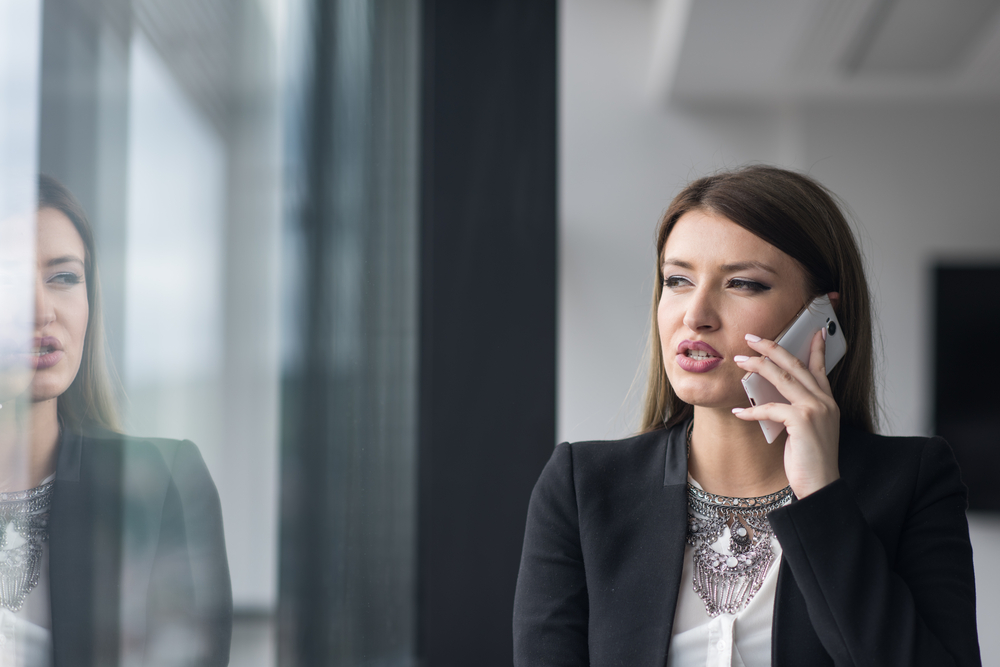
24,519
728,576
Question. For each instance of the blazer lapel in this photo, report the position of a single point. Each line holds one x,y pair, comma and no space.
649,588
70,557
675,522
84,553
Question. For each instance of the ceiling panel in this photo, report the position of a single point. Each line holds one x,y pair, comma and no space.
920,36
775,51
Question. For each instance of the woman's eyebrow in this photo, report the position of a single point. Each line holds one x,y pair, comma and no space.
672,261
742,266
736,266
65,259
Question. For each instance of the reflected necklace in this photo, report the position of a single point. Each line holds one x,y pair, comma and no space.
732,545
24,519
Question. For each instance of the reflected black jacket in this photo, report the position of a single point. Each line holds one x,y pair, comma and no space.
876,568
137,558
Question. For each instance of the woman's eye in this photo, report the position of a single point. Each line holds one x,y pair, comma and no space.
747,285
675,281
66,278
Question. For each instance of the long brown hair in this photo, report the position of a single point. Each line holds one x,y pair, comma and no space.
90,400
801,218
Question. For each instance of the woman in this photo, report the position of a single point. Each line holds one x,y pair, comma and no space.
697,542
115,553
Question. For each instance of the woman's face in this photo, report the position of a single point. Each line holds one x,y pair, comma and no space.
61,308
720,283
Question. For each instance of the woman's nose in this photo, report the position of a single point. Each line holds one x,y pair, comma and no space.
44,310
702,313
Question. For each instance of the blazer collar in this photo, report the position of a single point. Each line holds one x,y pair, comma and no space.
676,464
68,458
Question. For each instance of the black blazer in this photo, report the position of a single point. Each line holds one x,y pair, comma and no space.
876,568
137,559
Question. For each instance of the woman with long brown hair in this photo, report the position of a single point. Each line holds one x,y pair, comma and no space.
113,551
697,542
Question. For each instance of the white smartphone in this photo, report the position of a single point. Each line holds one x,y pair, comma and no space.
797,339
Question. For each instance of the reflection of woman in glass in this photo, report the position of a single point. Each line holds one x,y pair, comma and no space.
115,552
697,542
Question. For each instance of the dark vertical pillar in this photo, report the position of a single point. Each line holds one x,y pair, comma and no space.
348,497
487,355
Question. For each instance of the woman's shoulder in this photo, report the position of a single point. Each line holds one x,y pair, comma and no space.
631,461
634,450
910,465
872,449
98,447
169,448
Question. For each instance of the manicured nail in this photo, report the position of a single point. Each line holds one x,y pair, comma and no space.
752,338
824,332
737,410
740,358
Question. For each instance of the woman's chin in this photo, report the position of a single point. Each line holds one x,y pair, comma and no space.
700,390
42,390
715,400
725,406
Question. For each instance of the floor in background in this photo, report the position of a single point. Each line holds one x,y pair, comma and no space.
254,641
984,529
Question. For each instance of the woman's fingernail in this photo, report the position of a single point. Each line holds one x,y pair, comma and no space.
824,332
741,358
737,410
752,338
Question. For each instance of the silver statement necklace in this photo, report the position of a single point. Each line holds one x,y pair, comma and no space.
727,576
24,520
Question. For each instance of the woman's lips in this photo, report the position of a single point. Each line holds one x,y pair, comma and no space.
48,352
47,360
705,356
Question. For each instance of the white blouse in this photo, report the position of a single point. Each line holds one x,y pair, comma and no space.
728,640
26,634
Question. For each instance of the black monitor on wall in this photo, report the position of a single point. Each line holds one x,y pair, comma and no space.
967,373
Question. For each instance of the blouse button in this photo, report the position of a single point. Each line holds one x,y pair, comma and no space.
721,645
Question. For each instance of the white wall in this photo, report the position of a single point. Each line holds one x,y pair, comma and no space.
622,158
919,179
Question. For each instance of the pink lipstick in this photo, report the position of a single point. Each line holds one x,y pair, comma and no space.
695,356
46,352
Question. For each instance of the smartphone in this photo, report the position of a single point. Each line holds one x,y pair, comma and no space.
797,339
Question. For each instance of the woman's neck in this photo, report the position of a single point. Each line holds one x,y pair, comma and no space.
29,440
730,457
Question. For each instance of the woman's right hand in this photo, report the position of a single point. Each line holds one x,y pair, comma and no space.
811,419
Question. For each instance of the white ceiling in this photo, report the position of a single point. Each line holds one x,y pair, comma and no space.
774,51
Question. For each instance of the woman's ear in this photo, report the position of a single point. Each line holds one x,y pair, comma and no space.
834,299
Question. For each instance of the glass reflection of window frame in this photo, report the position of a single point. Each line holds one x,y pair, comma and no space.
20,63
223,60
